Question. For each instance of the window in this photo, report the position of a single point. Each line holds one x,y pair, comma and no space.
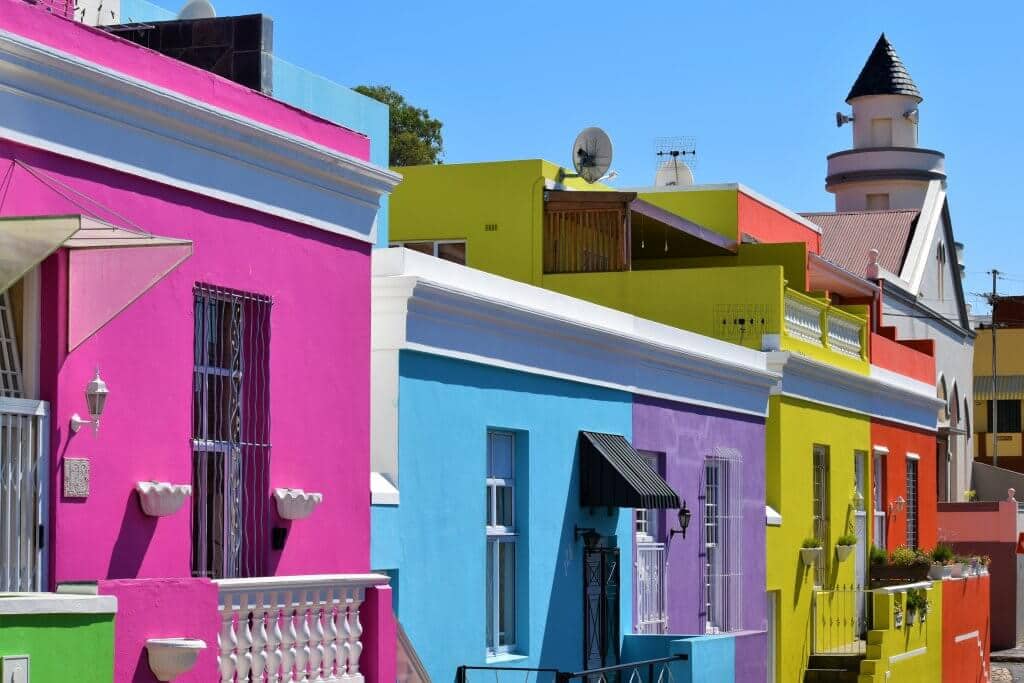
878,498
449,250
648,523
501,543
722,525
10,358
911,501
881,132
941,392
230,433
940,271
1008,416
820,503
878,202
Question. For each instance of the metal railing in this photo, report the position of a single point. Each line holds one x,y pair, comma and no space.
646,671
24,428
840,620
651,612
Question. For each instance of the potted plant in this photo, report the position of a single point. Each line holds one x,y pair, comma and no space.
917,603
957,567
975,566
906,566
810,550
877,556
985,562
941,556
845,545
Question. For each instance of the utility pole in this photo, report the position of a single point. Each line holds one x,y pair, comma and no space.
995,393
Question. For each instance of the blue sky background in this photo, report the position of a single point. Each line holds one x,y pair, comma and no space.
756,83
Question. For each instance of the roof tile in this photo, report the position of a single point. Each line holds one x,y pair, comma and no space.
884,74
848,236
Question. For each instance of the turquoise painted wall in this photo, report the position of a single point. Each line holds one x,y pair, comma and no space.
709,659
62,647
436,537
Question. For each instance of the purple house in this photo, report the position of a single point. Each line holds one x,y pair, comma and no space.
184,359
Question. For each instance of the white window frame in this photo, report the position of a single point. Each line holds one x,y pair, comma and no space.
497,535
913,499
722,529
437,245
878,454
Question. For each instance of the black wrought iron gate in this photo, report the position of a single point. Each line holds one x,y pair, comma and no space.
600,607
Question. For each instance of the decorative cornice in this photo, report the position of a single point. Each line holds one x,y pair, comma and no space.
861,150
883,394
63,104
428,305
882,174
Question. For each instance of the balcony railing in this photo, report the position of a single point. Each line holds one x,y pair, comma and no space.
292,628
24,427
844,333
803,317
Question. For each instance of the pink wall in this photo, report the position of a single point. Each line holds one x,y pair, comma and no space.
319,376
977,522
171,608
102,48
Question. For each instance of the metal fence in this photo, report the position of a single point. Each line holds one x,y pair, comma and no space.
840,619
662,670
24,427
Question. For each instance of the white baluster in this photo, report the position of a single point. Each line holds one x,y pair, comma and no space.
302,637
259,636
227,641
288,637
355,633
329,635
273,638
316,638
245,653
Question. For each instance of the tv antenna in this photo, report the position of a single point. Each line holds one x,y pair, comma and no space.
677,157
591,154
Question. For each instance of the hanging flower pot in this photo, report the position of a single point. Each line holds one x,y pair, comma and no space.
843,551
810,551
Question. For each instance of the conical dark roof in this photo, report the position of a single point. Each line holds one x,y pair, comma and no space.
884,74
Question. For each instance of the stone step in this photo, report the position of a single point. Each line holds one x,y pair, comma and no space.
841,662
830,676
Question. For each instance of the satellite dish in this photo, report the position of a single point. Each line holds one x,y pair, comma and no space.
197,9
673,173
592,154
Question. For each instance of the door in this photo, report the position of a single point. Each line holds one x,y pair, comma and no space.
600,607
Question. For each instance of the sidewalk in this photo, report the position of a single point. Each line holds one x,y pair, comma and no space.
1013,655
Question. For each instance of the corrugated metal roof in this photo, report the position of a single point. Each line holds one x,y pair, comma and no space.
848,236
614,474
1007,386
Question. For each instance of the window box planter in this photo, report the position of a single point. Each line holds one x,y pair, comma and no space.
891,575
296,503
809,556
939,571
957,570
843,551
161,498
172,657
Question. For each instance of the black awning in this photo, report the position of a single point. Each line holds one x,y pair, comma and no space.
614,474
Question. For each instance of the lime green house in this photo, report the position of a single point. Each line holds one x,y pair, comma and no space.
726,262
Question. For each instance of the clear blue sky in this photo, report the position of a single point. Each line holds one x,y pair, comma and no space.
757,83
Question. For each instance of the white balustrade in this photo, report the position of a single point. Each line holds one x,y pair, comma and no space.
803,320
844,336
292,628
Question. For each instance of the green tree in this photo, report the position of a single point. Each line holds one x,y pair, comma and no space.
415,136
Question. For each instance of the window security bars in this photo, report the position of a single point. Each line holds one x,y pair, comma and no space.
723,562
230,433
911,503
24,428
820,511
651,608
11,382
501,543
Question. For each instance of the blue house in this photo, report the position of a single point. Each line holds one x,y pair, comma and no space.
504,480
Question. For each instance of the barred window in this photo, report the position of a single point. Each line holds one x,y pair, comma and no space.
912,501
820,510
230,433
723,562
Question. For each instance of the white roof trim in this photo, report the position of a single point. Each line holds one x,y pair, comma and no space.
549,333
62,103
56,603
382,491
772,518
740,187
919,252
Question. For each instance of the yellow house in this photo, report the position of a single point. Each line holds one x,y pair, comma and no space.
1007,390
728,263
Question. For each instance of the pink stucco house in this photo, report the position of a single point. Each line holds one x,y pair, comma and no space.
204,251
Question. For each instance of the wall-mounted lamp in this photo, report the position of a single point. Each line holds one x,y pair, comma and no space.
913,115
95,398
683,515
898,505
842,119
591,537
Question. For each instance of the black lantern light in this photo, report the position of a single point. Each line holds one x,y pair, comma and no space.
684,521
591,536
